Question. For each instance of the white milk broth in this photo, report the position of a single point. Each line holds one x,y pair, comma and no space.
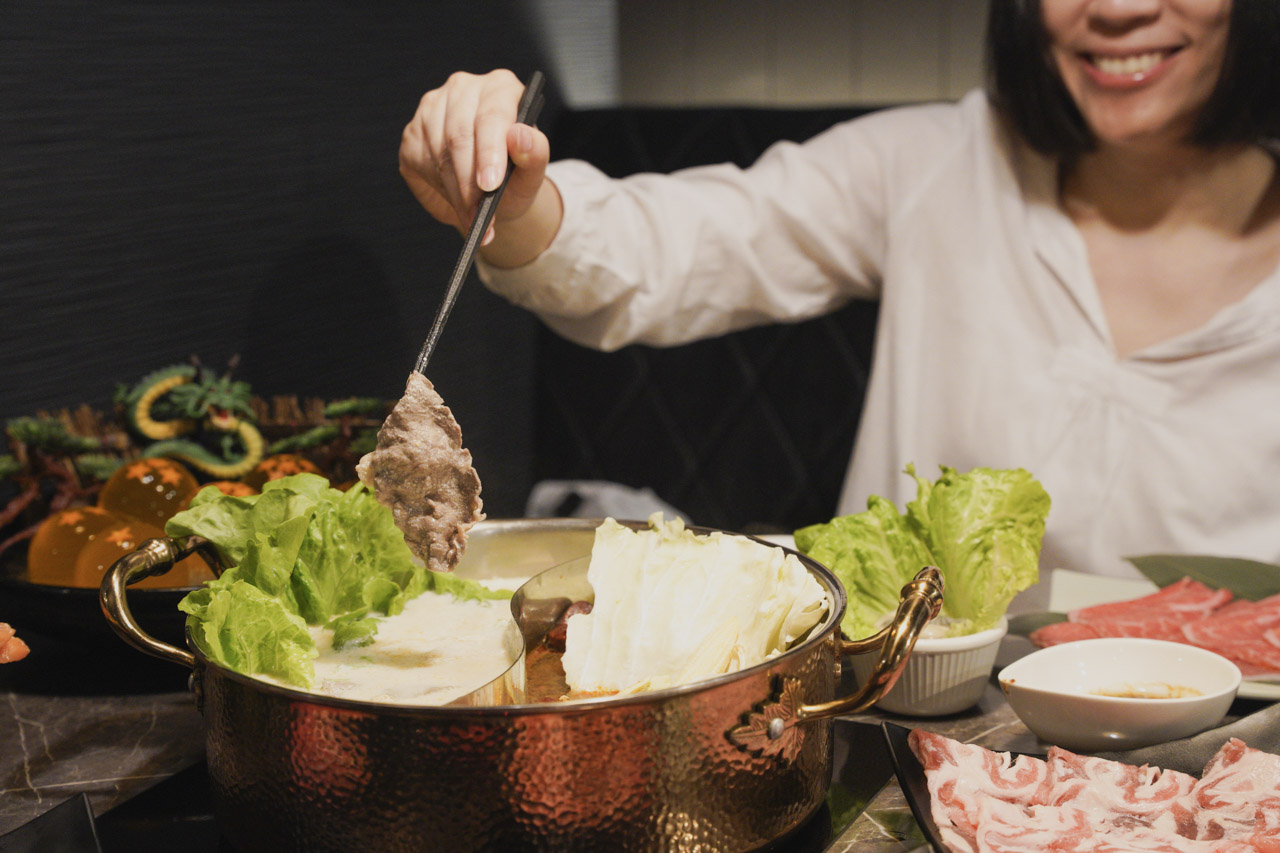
437,649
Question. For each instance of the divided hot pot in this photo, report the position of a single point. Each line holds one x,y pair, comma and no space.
734,762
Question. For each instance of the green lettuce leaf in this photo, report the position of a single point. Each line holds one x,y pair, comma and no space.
873,553
982,529
353,629
245,629
300,553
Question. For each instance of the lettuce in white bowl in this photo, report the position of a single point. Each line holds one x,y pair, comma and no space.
982,529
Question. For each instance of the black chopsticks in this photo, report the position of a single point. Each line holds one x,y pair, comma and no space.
527,113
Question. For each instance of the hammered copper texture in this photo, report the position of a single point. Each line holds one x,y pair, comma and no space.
654,774
290,770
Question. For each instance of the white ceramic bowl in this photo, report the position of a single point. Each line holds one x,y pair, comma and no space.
1052,692
943,675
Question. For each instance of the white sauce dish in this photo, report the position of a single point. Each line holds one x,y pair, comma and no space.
1096,695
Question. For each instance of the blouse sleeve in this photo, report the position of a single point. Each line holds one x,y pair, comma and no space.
665,259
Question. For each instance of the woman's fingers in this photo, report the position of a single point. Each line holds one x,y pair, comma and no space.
493,120
419,165
530,151
458,143
455,148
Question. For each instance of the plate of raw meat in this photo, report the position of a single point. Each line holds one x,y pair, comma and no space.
966,798
1186,611
911,778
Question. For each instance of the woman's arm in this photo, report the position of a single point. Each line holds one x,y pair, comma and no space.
665,259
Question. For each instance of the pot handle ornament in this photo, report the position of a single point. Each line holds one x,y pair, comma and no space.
152,557
772,729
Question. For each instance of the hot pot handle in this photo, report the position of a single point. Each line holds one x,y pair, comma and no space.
152,557
920,601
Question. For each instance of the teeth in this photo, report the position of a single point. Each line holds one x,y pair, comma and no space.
1129,66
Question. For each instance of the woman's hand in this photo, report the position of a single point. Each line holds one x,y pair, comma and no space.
455,149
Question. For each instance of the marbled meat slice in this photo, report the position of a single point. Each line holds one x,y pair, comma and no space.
962,777
1010,828
1245,632
1247,616
423,473
1101,806
1242,632
1239,796
1155,628
1186,598
1115,791
1005,827
1170,629
1063,632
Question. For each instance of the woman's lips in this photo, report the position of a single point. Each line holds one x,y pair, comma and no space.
1131,69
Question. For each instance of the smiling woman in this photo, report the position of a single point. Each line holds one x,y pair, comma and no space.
1136,70
1078,270
1039,56
1181,217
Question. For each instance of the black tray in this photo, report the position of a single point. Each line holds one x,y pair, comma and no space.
911,779
74,613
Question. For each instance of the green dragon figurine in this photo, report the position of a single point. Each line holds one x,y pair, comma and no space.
170,404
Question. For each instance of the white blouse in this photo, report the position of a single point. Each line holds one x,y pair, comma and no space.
992,348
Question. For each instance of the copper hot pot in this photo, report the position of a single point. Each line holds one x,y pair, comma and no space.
731,763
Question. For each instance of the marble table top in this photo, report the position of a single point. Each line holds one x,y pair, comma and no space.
106,721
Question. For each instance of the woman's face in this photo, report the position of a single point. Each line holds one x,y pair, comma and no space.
1139,70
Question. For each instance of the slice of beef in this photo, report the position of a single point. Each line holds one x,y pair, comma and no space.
1238,631
1151,629
423,473
1160,615
1101,786
1063,632
1245,632
1187,598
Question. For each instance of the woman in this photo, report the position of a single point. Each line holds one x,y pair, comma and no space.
1077,269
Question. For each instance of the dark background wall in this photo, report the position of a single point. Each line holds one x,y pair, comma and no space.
219,178
750,430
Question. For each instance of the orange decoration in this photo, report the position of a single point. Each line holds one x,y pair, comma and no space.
123,537
280,465
233,488
51,557
152,490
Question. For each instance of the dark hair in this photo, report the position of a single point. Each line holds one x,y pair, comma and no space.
1024,86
